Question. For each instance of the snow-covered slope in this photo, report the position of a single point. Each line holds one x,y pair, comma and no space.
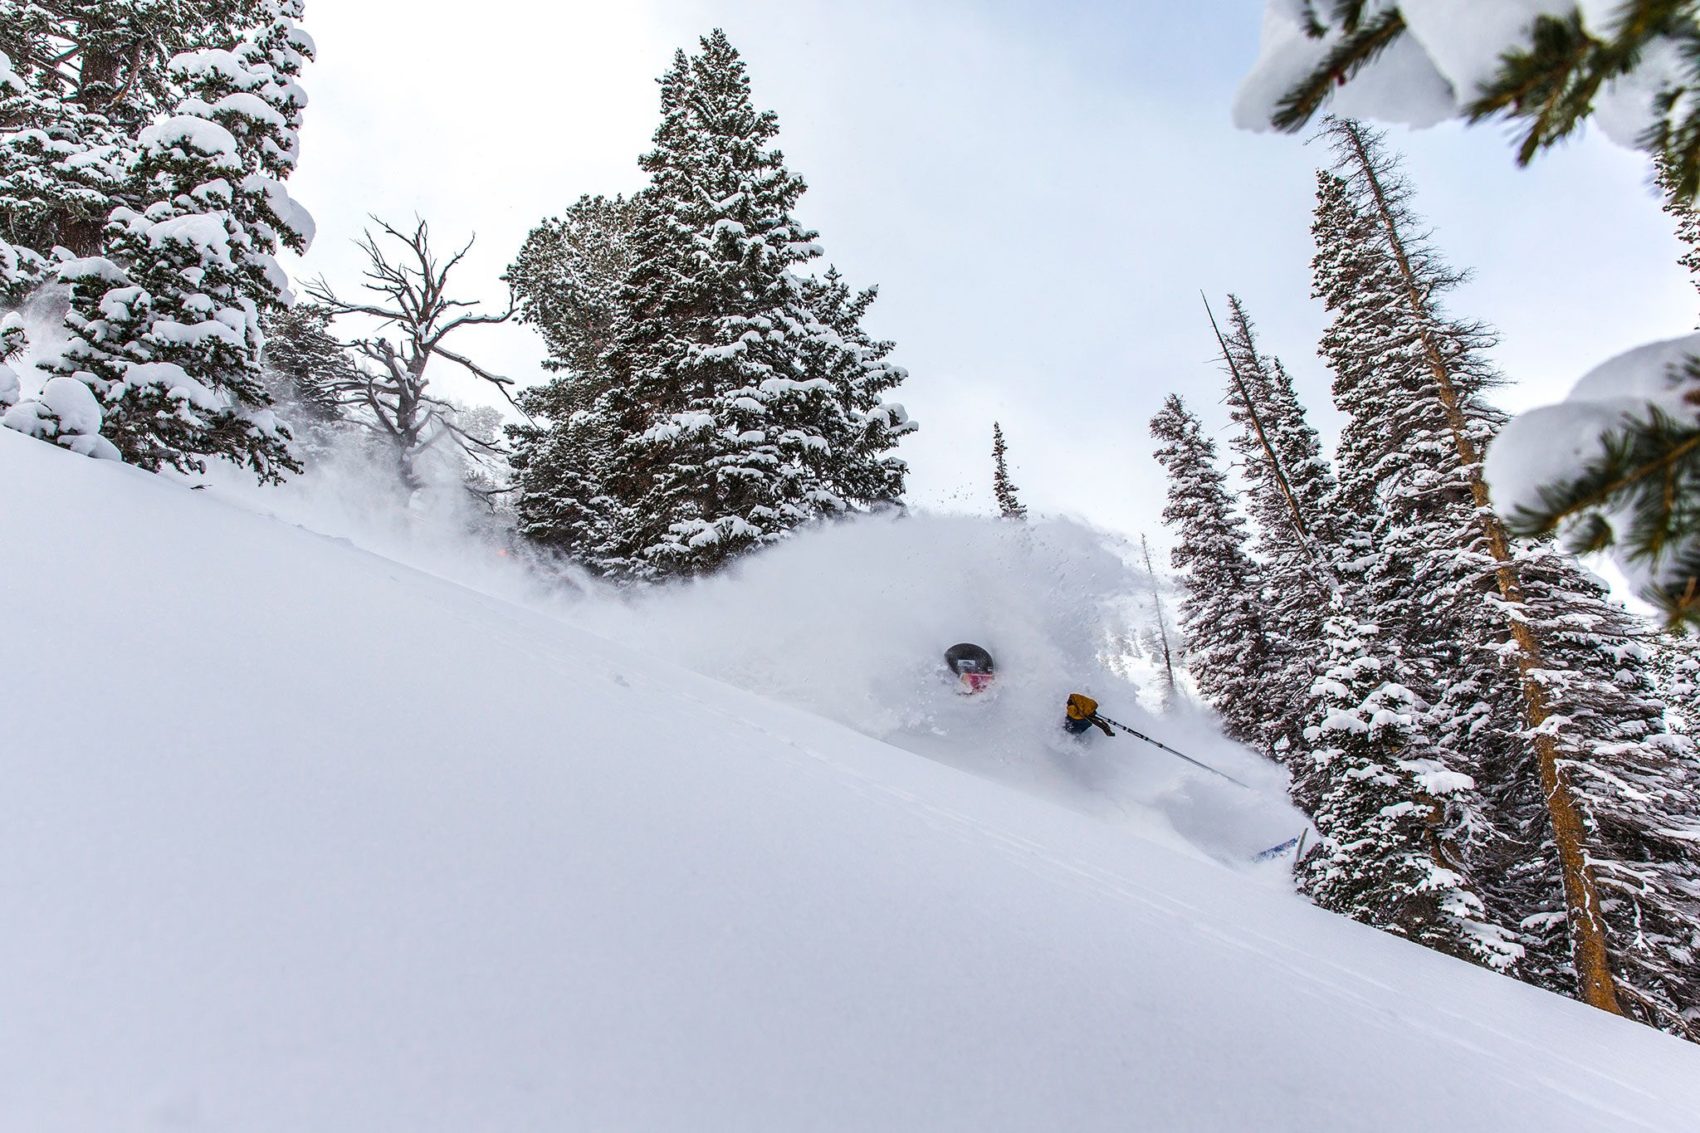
296,838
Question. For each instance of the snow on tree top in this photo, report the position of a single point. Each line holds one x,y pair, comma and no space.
205,231
287,209
206,138
211,61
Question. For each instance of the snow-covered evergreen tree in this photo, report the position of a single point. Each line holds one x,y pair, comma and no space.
1637,782
1279,449
560,459
733,383
1003,488
857,468
305,368
80,81
1290,499
1684,217
567,280
1674,662
65,412
165,324
1227,645
1543,68
1373,784
1534,692
304,363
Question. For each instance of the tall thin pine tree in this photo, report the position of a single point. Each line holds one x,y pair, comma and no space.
1290,499
1003,488
1227,646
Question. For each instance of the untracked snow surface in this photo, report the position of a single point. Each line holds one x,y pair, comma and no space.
296,838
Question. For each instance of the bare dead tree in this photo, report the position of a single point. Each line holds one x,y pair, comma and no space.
1171,692
407,294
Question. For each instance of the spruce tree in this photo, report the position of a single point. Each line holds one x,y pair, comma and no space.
731,418
737,397
1380,794
1003,489
1534,694
165,325
1636,491
1388,801
567,279
1227,646
165,318
1685,218
84,78
1290,490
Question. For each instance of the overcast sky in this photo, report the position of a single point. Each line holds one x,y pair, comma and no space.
1040,190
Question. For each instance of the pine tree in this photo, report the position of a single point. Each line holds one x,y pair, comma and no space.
1379,793
1686,218
737,398
567,279
165,325
1290,499
1009,504
1534,694
1227,646
165,319
84,78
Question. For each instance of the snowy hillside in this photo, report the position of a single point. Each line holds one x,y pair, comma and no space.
302,839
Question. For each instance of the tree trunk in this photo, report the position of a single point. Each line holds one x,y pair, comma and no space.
1597,984
1162,629
97,84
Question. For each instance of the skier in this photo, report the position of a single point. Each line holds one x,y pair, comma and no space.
1081,714
973,667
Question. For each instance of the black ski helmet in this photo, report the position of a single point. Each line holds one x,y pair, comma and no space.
968,658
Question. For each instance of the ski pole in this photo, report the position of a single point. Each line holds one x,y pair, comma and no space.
1172,751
